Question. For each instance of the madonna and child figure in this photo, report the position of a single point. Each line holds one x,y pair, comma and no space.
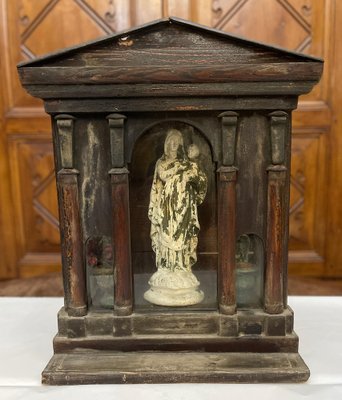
179,186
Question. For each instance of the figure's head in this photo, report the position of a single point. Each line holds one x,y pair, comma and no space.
193,151
173,144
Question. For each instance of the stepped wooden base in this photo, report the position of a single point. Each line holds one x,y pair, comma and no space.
249,346
95,366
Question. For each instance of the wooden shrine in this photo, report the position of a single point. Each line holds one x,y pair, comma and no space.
172,154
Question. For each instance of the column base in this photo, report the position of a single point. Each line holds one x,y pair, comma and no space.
77,311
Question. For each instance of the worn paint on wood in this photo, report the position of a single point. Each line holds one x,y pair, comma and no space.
168,367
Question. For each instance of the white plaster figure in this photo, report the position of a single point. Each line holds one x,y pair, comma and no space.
179,186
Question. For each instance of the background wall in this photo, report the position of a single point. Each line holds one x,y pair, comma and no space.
29,237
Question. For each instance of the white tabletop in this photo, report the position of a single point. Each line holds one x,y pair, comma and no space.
27,326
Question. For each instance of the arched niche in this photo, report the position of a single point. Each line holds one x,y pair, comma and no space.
148,148
99,265
250,261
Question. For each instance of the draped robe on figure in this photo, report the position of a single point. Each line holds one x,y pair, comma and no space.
178,187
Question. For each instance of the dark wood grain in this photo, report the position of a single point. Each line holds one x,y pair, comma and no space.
186,104
49,91
181,74
275,231
122,242
171,33
72,243
227,239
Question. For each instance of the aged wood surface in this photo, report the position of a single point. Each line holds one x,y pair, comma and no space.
173,89
123,294
65,139
251,188
176,34
227,239
179,342
79,367
165,324
229,121
72,248
275,233
189,322
279,127
148,74
189,103
116,123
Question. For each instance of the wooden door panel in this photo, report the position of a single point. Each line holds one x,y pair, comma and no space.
112,15
272,22
142,14
31,28
299,26
46,26
68,14
35,203
295,25
307,202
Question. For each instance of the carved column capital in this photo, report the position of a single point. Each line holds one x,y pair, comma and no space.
65,128
229,120
279,125
116,119
117,141
227,174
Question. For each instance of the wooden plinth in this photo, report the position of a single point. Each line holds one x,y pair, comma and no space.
90,367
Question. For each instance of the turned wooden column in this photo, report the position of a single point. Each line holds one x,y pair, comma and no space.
276,229
123,292
70,224
227,175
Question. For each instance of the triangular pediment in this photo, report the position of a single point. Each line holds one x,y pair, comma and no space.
168,41
170,51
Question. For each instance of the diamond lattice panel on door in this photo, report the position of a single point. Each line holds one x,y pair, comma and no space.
295,25
32,28
250,19
299,26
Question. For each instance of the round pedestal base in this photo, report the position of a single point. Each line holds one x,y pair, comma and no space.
178,288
